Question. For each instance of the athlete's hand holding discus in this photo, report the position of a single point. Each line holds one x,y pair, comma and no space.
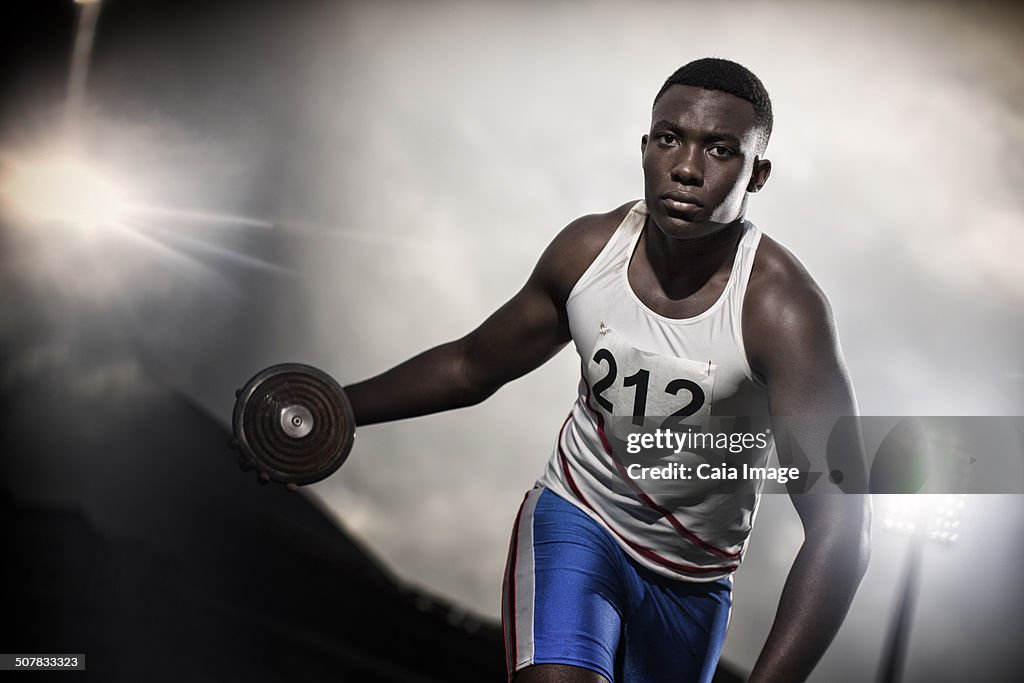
293,424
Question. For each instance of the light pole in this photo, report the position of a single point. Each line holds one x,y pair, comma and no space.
923,517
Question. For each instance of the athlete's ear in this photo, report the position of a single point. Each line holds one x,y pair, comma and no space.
759,175
643,145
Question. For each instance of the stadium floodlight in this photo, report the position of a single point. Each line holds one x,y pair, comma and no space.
934,517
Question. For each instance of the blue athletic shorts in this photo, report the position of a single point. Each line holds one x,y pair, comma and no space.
572,596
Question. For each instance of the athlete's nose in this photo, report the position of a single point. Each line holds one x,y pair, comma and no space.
689,166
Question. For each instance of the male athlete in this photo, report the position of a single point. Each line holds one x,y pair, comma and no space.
678,306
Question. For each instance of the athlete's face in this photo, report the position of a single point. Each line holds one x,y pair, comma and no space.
700,159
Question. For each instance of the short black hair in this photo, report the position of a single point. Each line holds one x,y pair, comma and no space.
712,73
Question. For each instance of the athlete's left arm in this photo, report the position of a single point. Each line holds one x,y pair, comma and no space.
792,343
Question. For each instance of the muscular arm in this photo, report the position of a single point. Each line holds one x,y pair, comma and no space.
521,335
796,350
518,337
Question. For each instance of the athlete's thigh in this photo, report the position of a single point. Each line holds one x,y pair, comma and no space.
674,632
562,595
557,673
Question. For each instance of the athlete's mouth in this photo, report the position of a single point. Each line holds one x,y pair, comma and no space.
680,204
681,198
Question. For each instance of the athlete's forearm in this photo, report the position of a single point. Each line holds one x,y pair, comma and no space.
817,594
435,380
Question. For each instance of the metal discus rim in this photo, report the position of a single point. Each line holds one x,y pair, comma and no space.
293,451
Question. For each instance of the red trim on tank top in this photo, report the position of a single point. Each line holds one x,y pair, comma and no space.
643,550
644,498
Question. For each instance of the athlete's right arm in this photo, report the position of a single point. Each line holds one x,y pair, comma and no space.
520,336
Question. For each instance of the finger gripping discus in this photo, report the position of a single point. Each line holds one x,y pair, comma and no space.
294,422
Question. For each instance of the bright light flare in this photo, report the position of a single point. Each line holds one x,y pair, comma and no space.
65,190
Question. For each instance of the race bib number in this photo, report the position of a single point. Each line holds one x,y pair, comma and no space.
638,390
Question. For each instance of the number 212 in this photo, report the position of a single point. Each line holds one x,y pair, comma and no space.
640,380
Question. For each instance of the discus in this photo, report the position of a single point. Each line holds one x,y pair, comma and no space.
293,422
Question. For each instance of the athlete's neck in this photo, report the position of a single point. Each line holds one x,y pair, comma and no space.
683,266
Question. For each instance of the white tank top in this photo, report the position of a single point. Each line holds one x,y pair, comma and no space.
637,364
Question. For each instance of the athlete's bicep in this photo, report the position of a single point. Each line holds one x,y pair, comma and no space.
533,325
810,396
520,336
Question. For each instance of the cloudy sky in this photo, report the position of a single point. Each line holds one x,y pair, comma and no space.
414,159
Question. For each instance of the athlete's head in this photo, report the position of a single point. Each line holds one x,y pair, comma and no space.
722,75
709,127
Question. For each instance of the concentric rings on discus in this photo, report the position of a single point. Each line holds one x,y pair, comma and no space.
294,422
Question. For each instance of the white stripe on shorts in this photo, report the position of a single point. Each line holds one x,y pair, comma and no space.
523,597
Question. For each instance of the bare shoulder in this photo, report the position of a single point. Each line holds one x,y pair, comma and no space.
573,250
778,279
783,306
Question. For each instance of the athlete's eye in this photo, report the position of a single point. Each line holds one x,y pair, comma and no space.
721,151
666,138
